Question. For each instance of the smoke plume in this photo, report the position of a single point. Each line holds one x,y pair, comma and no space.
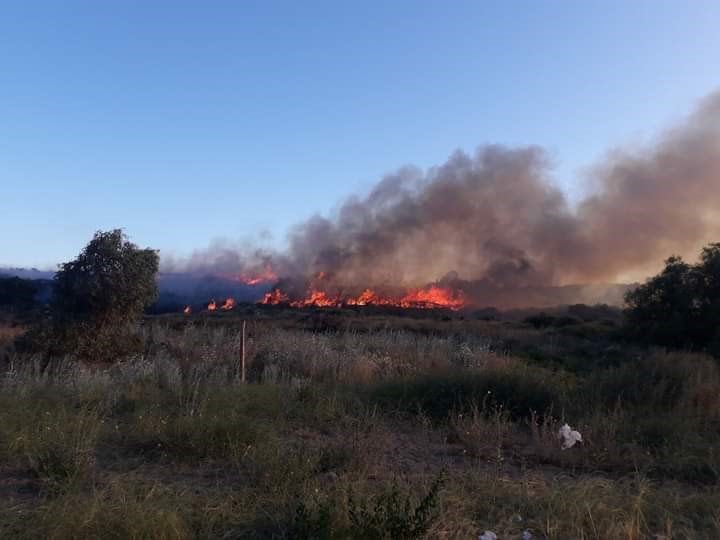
495,218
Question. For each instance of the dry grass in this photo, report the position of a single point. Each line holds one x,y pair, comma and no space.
171,445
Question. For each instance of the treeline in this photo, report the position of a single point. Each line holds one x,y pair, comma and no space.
95,301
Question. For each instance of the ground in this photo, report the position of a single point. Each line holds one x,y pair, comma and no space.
363,424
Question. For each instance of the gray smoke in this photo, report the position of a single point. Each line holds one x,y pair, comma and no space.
496,217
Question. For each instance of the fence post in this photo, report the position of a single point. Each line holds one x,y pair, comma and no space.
242,355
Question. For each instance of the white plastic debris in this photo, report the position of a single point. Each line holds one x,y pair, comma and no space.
527,535
569,437
488,535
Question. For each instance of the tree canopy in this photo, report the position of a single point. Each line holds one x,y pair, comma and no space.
98,296
679,307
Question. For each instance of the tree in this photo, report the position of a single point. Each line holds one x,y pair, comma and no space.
99,298
708,275
679,307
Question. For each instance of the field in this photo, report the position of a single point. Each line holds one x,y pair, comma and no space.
363,424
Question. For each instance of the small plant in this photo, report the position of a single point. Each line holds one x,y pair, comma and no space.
314,525
393,515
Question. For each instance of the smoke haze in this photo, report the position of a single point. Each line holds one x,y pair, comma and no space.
495,219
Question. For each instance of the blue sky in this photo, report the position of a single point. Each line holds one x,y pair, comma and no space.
184,122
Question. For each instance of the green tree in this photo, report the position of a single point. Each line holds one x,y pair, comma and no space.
679,307
99,298
708,286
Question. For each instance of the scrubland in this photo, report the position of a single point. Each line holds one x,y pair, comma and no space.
362,427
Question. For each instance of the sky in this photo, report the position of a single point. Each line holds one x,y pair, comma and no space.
187,122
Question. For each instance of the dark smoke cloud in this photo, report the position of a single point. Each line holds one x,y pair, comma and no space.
496,218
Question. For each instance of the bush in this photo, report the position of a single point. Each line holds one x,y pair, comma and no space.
98,298
390,515
679,307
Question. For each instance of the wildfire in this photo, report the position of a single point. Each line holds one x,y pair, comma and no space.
434,296
187,310
318,299
229,304
275,297
430,297
369,298
212,306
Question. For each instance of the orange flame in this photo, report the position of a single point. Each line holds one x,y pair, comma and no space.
275,297
229,304
430,297
434,296
318,299
369,298
212,306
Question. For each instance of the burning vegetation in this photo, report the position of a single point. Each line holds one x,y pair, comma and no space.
431,297
322,291
434,296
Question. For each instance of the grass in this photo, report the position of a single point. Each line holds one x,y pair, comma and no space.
344,433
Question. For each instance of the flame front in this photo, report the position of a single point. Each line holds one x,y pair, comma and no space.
434,296
275,297
187,310
430,297
317,298
212,306
366,298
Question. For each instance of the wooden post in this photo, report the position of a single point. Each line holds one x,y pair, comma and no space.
242,355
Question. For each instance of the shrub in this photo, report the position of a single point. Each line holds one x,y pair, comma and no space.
679,307
97,300
390,515
393,515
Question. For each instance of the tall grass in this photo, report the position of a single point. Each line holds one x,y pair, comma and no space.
171,445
